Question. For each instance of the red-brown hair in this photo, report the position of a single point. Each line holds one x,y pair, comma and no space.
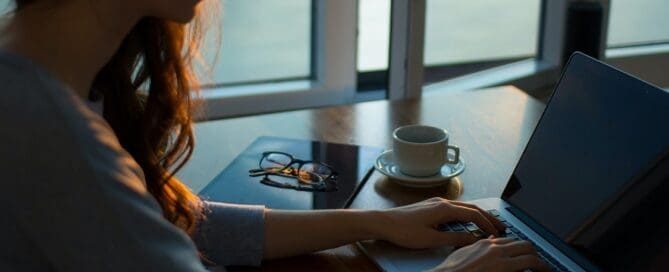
155,126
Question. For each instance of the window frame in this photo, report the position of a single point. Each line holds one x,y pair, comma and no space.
333,82
648,62
536,76
335,74
529,74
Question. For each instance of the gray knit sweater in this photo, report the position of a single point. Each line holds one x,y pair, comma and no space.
72,199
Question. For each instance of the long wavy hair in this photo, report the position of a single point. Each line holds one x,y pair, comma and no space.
147,87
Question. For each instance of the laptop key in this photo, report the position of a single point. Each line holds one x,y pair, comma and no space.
471,227
508,231
511,235
443,227
514,233
456,227
561,267
551,259
479,234
521,235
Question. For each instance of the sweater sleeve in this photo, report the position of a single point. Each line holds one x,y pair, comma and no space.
231,234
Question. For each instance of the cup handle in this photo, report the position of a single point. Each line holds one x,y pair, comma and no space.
457,154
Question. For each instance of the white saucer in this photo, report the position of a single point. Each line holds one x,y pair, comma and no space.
386,165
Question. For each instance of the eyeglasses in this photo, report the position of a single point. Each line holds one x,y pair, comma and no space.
311,175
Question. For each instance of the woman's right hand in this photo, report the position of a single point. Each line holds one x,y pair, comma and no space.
415,225
494,254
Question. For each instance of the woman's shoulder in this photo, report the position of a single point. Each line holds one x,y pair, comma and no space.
50,128
30,95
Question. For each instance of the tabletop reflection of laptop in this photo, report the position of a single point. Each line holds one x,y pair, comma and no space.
591,189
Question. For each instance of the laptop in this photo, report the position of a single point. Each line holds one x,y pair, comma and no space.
591,189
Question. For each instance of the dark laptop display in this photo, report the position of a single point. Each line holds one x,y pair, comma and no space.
594,173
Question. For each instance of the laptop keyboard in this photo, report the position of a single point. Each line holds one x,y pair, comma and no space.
511,232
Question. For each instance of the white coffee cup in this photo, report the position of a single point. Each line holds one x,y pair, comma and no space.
421,151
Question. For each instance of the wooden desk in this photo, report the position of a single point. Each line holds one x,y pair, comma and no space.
491,127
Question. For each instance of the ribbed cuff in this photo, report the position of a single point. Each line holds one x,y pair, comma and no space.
231,234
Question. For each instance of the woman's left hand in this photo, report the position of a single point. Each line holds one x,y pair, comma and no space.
415,225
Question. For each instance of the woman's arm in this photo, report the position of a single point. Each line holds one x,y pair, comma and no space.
289,233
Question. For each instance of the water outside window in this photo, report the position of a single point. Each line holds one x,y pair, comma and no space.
633,22
263,40
455,31
481,30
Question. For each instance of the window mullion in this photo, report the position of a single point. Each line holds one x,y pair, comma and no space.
407,37
552,37
334,60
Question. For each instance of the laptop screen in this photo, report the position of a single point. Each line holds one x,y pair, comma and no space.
580,175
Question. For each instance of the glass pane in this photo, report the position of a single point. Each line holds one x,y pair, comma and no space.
638,22
373,34
263,40
482,30
5,6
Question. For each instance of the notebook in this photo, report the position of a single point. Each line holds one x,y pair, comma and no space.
353,164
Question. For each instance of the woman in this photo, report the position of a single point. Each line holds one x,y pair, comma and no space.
94,189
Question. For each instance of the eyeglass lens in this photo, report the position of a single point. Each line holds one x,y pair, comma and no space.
275,162
309,172
313,172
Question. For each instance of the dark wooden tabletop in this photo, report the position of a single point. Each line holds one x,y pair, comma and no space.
491,126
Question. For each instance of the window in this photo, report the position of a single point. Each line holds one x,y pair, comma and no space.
460,37
281,55
638,40
635,22
373,35
263,40
5,6
466,36
373,41
472,31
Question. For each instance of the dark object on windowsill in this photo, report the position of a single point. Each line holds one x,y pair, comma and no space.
584,29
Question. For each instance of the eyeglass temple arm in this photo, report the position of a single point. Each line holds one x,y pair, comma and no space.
257,172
